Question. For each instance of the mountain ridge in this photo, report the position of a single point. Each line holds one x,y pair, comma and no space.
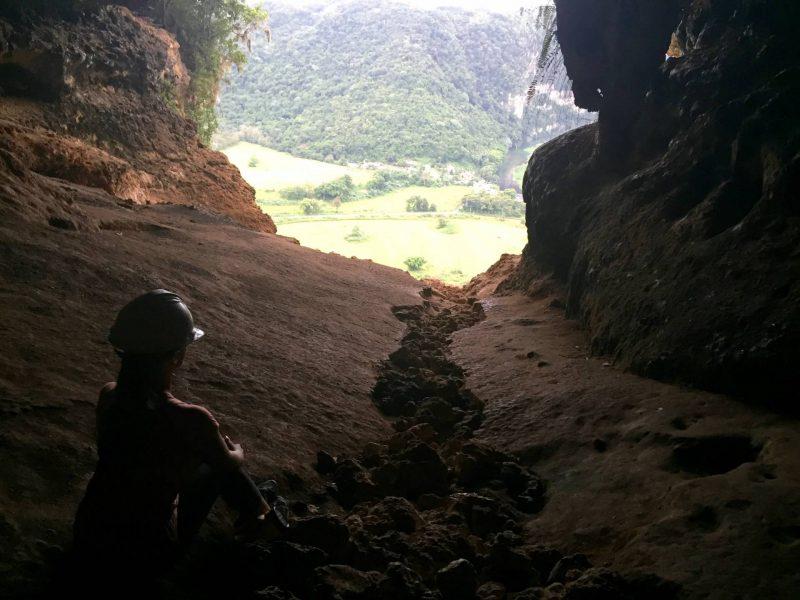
383,81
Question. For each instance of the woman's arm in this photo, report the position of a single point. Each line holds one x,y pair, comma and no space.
215,449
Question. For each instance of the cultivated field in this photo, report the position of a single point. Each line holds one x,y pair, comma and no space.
454,253
445,244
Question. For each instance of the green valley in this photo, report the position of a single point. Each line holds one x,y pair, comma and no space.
380,227
385,131
382,81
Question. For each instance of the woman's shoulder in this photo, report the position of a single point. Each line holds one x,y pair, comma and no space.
191,414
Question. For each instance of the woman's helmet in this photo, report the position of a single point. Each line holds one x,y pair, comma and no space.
154,323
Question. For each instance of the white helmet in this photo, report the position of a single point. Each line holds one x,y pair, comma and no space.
154,323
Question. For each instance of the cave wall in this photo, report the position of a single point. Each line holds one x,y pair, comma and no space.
98,101
674,222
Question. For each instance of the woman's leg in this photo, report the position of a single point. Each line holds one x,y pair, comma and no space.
197,498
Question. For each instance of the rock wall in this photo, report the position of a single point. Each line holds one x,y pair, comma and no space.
674,222
97,101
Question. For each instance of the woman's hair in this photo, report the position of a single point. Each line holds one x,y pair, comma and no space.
141,378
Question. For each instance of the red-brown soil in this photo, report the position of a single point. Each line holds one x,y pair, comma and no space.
696,487
105,192
293,341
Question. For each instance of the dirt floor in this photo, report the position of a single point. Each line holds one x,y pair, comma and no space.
641,476
293,339
698,488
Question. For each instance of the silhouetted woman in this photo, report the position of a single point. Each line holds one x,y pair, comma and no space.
162,462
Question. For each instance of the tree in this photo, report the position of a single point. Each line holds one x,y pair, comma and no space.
503,203
296,193
442,98
253,162
415,263
212,35
342,188
310,207
356,235
419,204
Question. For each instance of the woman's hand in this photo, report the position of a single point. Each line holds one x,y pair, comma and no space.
236,451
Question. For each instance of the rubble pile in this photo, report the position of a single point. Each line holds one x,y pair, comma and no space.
430,513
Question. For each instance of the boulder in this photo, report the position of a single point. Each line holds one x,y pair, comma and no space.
491,590
566,564
392,514
342,582
510,565
352,482
416,470
326,532
274,593
401,583
326,463
458,580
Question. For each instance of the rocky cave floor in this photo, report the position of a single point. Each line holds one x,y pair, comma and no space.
467,497
489,499
495,459
430,512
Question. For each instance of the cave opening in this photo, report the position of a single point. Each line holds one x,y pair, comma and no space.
619,420
438,107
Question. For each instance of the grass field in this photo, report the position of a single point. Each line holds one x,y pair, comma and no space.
275,170
455,247
392,204
454,253
445,198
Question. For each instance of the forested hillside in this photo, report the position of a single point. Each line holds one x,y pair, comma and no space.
365,81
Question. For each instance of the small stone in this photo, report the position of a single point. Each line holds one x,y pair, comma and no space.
345,582
567,563
491,590
323,531
62,223
532,593
275,593
325,463
401,583
457,580
514,477
392,514
429,501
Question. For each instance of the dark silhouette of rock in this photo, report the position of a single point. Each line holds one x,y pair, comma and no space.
672,221
326,463
458,580
491,590
274,593
346,583
327,532
566,564
402,583
392,514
